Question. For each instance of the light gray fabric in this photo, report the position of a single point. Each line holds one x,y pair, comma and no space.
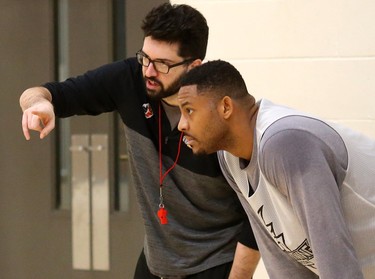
309,165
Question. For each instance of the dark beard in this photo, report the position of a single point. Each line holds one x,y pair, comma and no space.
164,93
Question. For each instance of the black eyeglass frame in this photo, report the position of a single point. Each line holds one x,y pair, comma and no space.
140,55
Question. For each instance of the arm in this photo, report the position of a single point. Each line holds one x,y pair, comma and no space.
38,111
245,262
308,165
247,256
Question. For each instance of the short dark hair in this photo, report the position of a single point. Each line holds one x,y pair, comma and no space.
178,24
218,77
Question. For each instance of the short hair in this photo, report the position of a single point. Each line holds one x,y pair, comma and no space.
217,77
180,24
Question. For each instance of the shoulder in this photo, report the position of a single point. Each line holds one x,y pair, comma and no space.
300,132
299,144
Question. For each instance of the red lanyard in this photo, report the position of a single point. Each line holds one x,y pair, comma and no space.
162,212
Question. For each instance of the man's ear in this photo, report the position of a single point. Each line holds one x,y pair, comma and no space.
226,107
195,63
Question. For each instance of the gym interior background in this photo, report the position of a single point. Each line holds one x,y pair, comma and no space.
317,56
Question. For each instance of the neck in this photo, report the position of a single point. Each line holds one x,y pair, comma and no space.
243,134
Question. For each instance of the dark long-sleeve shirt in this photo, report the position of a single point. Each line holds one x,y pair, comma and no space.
204,214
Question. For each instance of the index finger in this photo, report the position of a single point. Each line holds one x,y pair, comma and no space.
25,128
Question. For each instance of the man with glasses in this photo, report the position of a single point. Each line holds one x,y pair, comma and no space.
159,65
184,200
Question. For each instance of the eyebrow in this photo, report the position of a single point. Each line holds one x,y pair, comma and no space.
185,103
158,59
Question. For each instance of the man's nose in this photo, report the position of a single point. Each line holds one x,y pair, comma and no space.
151,70
182,124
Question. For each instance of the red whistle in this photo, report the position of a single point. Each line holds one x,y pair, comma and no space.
162,214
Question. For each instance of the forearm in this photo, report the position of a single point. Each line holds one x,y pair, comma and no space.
34,95
244,263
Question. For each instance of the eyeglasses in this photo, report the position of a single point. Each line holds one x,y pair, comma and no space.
159,66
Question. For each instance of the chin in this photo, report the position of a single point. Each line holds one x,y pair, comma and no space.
153,95
199,152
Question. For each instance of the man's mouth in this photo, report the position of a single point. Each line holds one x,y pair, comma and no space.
152,84
188,141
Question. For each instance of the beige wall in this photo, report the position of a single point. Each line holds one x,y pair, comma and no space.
317,56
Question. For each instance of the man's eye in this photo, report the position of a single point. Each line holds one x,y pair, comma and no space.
161,62
189,111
